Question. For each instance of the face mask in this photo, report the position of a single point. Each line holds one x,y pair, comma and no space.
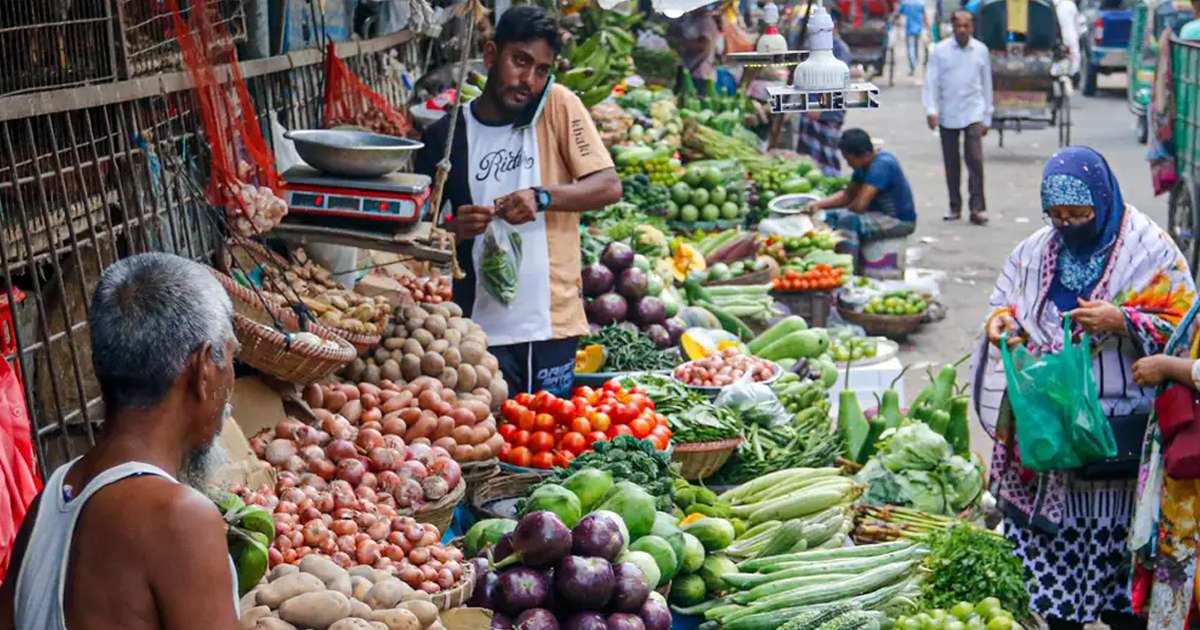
1078,236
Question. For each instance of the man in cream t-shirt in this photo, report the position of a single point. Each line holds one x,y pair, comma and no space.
527,153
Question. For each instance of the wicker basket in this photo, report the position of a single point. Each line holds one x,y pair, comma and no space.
459,593
499,488
268,350
440,513
892,326
477,473
699,460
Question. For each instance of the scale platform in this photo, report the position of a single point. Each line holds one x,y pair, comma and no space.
788,99
397,198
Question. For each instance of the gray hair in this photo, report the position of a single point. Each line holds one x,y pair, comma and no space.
148,314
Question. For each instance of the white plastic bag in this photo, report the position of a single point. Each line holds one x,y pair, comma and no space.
755,402
500,261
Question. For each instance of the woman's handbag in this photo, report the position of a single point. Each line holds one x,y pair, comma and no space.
1178,412
1128,431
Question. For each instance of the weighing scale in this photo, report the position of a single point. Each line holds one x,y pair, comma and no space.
387,203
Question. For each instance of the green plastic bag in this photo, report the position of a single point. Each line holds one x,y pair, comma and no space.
1056,407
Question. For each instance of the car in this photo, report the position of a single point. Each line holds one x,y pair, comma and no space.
1110,23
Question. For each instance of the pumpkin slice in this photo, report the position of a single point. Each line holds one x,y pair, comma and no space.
589,359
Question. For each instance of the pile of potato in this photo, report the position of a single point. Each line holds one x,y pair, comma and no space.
320,595
434,340
333,305
427,290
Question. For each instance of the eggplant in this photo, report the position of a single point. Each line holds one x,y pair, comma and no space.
617,256
486,593
630,588
537,619
597,535
655,613
609,308
597,280
540,540
503,548
632,284
659,335
586,621
586,583
675,328
521,588
500,621
649,310
625,621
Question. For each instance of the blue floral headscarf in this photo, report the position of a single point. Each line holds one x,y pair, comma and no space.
1081,176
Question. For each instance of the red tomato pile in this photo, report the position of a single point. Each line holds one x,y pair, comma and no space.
544,431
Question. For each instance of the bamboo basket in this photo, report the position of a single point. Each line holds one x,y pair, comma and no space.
268,350
891,326
458,594
440,513
477,473
499,488
699,460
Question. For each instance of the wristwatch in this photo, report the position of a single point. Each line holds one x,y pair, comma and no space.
542,196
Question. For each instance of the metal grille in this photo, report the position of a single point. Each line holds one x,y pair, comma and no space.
148,32
55,43
87,179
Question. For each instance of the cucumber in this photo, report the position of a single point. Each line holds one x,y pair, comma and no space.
781,329
864,551
766,482
729,323
871,588
800,505
771,588
849,565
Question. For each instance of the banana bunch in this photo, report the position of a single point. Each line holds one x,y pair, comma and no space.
473,86
599,64
250,531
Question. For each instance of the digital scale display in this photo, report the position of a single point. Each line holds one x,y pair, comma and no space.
373,207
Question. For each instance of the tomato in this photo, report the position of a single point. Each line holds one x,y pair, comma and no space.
526,421
641,428
544,422
595,436
565,412
639,402
580,403
659,442
506,431
542,401
585,392
511,410
661,420
574,442
600,421
541,442
520,438
520,456
505,452
613,386
664,432
606,408
524,399
543,460
563,458
581,425
618,429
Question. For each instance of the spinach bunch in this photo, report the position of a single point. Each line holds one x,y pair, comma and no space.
968,564
628,459
692,416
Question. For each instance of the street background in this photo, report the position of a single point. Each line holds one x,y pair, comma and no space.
970,256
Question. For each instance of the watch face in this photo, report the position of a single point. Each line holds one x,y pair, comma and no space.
543,199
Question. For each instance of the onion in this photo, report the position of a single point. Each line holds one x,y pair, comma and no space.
438,451
448,469
310,513
410,575
315,532
341,485
295,464
393,425
287,479
413,469
418,452
344,527
384,459
307,436
279,452
347,500
286,507
367,552
346,544
338,450
322,467
369,480
342,514
314,481
419,555
369,439
286,428
351,471
395,442
364,493
378,530
342,559
324,502
395,553
389,481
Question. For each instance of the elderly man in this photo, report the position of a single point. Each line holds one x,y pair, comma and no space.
114,541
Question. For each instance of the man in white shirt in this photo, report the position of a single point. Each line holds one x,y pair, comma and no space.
1068,26
958,102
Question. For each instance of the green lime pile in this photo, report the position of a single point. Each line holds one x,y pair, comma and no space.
897,303
660,169
847,347
704,194
986,615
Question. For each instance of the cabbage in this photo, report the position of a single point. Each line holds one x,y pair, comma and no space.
923,489
914,447
962,480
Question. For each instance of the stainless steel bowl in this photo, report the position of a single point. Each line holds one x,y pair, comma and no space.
352,153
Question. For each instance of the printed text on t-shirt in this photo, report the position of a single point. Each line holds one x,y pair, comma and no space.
502,161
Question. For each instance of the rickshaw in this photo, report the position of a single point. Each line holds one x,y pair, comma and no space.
867,29
1030,86
1150,19
1182,203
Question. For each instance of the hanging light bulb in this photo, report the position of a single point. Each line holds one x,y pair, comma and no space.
821,71
771,41
677,8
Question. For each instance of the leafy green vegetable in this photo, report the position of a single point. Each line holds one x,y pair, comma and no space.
629,351
806,441
501,263
620,220
628,459
914,447
968,564
692,417
915,468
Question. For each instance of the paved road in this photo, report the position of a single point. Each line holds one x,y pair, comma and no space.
970,256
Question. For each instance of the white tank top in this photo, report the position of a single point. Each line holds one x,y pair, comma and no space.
41,581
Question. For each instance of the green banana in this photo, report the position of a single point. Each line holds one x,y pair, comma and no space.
258,520
574,77
227,502
251,559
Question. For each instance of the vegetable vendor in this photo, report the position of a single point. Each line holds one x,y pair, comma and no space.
115,540
878,203
526,159
1123,280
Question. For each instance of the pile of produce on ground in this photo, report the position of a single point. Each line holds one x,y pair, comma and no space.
691,415
627,459
321,595
544,431
436,341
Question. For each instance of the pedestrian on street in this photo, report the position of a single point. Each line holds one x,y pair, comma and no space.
1121,278
914,26
1068,27
527,158
878,203
115,540
818,133
958,104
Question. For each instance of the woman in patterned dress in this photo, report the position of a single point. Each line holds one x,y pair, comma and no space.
1122,279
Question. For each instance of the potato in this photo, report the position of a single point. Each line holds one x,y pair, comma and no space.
466,378
249,600
498,389
373,374
436,325
472,353
462,453
447,443
381,354
414,325
363,571
323,568
453,309
359,585
432,364
452,356
386,594
461,324
445,425
479,435
359,609
439,346
425,611
354,370
273,623
335,400
315,610
250,617
397,619
287,587
478,409
390,370
352,411
410,367
412,346
351,623
393,343
449,377
424,337
483,377
282,570
453,337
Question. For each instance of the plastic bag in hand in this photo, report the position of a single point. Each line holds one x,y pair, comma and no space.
501,261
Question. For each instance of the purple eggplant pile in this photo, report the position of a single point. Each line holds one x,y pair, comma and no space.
622,288
544,576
